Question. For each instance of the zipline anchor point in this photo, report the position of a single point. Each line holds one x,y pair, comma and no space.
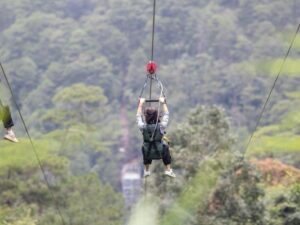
151,67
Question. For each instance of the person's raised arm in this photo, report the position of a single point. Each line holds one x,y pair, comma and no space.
140,106
163,102
139,118
165,119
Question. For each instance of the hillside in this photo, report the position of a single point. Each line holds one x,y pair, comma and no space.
77,67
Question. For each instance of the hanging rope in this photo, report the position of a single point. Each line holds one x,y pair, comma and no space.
150,76
152,44
271,91
153,30
32,146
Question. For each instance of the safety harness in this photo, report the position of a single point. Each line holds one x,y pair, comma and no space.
153,143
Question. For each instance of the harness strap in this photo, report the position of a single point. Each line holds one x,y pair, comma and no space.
154,145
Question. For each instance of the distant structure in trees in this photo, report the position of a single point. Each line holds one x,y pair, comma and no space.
131,182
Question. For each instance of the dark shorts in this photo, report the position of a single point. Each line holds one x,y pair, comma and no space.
166,157
5,116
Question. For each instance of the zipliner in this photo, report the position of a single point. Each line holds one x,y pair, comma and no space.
153,130
8,123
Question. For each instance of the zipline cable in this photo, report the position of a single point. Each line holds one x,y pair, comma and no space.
152,44
150,93
32,146
153,30
271,91
149,75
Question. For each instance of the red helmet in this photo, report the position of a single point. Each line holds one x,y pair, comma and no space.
151,67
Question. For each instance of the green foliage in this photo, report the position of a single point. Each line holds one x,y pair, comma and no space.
202,148
291,67
23,190
76,103
283,206
279,140
295,194
237,198
21,156
76,65
275,145
194,195
96,201
206,132
24,219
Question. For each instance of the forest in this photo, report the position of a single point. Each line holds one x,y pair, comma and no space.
76,69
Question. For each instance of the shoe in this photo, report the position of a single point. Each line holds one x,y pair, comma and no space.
10,136
170,173
147,173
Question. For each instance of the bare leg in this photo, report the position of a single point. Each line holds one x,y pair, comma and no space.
10,135
168,167
147,167
146,170
169,172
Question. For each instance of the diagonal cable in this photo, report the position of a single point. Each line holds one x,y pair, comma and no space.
33,147
271,91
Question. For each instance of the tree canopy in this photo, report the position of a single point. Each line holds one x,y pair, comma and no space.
76,69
